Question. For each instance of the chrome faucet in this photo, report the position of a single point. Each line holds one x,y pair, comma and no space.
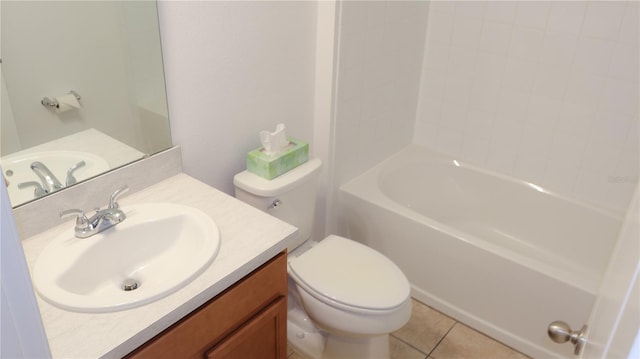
70,179
101,220
49,182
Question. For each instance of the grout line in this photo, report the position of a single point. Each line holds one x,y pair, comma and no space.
408,344
441,339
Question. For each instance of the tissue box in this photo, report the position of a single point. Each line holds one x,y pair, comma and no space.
272,166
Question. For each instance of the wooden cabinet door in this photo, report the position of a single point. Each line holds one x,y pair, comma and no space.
224,316
263,337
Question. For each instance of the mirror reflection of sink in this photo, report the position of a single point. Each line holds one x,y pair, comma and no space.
17,169
158,249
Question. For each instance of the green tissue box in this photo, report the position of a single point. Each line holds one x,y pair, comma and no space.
272,166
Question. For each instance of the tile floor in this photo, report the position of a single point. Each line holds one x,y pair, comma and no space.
433,335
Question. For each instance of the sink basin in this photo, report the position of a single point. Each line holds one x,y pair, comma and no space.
160,247
17,169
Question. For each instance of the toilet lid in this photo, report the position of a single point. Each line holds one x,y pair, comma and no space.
351,274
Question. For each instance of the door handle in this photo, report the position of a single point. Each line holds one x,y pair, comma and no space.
560,332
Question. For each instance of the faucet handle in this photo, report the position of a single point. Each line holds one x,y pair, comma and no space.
38,190
81,219
113,204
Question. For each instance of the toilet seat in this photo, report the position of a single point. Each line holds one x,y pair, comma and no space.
329,270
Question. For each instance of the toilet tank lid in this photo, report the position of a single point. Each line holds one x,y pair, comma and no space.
259,186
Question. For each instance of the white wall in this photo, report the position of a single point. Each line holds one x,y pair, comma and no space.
380,47
545,91
233,69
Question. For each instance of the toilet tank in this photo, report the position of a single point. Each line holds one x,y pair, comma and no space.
290,197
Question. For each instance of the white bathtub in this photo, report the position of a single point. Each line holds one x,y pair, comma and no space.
501,255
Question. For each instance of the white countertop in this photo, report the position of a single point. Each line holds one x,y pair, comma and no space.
249,238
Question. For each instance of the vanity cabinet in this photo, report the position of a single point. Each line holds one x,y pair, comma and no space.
248,320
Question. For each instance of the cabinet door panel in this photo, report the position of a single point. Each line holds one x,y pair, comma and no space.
215,320
264,337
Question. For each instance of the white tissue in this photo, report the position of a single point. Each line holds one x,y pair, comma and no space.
274,142
67,102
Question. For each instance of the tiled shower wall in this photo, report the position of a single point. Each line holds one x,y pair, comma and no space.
544,91
380,48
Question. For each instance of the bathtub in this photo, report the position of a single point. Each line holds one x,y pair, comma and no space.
501,255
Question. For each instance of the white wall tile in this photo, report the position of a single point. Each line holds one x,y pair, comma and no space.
526,43
507,133
551,81
470,9
513,104
553,97
466,32
621,96
630,28
601,159
501,158
495,38
449,141
475,149
574,121
566,16
625,62
430,112
585,89
500,11
453,117
442,7
437,56
519,74
379,78
608,128
484,96
458,90
561,177
462,62
440,28
536,140
490,68
591,186
533,14
558,49
593,55
531,167
603,19
433,84
480,123
632,143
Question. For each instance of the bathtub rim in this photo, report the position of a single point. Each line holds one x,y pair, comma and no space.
574,275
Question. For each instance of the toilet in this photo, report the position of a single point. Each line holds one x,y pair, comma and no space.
344,297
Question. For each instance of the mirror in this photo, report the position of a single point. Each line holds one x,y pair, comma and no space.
83,91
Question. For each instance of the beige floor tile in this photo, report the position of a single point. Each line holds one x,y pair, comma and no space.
425,328
464,342
289,350
401,350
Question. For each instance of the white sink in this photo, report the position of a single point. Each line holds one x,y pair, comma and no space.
17,169
161,246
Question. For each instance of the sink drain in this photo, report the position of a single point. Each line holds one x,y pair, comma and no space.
130,284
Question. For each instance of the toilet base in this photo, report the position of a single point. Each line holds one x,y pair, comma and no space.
303,336
311,342
315,345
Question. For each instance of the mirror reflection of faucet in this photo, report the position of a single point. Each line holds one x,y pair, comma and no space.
48,181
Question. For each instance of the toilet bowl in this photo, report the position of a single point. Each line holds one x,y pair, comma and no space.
344,297
354,294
